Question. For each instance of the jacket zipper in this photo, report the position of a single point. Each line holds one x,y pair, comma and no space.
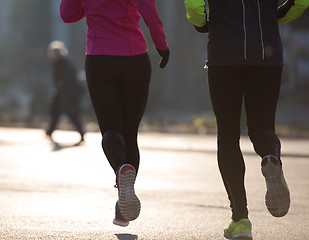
260,25
245,32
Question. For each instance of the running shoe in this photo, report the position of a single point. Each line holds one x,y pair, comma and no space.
277,198
239,230
129,204
119,219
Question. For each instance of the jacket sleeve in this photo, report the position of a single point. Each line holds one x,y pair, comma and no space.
196,13
71,10
293,11
150,15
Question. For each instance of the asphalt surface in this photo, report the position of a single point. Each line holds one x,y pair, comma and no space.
66,191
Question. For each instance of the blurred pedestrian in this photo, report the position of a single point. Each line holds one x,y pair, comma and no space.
118,73
69,92
245,65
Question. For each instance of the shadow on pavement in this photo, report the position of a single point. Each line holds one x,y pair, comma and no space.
126,236
58,146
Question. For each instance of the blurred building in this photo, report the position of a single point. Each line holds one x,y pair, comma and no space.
177,93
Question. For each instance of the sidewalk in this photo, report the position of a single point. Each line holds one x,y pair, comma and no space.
66,191
207,143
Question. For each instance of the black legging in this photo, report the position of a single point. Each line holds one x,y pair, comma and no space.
258,87
118,87
63,106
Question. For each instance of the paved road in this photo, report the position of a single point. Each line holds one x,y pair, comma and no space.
66,191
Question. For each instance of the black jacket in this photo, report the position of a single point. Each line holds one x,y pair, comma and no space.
244,32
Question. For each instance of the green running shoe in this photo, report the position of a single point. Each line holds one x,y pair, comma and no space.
239,230
277,198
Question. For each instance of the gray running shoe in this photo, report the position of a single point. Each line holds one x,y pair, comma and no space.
129,204
119,219
277,198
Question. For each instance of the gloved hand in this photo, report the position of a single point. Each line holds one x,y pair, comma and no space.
165,56
284,8
203,29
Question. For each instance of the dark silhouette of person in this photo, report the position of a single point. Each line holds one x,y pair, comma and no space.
245,61
118,72
68,90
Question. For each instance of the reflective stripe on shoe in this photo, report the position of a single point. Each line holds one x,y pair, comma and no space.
119,219
277,198
120,223
239,230
129,203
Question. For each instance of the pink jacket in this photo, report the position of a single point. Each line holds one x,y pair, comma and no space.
113,25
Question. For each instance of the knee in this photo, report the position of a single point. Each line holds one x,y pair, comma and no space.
114,147
113,139
229,136
260,134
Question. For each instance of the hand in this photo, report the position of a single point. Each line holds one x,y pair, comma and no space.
203,29
284,8
165,56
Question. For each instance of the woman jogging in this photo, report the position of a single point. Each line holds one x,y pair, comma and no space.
118,73
245,65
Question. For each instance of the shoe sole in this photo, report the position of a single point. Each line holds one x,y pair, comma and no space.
240,236
120,223
277,198
129,203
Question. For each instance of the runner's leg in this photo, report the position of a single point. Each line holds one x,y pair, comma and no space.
226,91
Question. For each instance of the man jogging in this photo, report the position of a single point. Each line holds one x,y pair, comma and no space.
245,65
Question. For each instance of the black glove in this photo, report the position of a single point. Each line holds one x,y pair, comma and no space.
284,8
203,29
165,56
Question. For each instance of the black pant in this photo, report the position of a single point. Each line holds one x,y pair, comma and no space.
258,87
61,106
118,87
